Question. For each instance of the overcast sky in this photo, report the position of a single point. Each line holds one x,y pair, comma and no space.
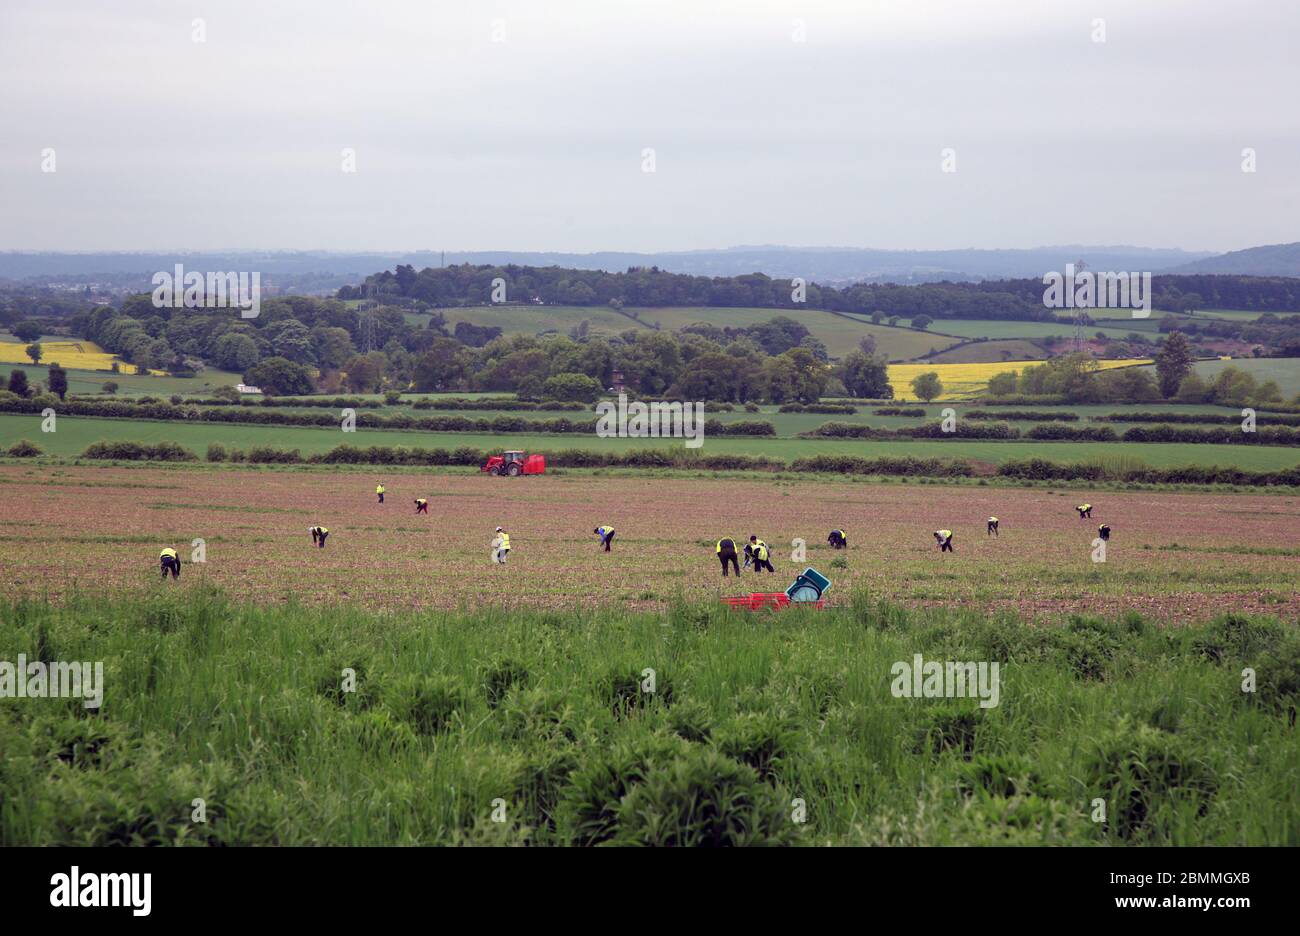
535,142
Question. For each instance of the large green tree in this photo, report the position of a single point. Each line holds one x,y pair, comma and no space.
1173,363
443,366
867,376
27,331
927,386
57,380
277,376
18,382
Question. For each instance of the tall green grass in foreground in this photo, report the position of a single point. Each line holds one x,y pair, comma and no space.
514,726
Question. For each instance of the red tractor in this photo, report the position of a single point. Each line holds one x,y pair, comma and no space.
515,463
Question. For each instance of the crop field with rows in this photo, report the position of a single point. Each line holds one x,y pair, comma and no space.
1173,556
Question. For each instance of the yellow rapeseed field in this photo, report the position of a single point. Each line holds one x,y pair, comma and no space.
73,355
964,381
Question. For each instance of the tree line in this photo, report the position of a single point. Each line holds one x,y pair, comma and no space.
649,287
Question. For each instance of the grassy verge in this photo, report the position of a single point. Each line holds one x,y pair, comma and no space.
541,721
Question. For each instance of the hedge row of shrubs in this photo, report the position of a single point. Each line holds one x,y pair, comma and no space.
907,465
1040,469
337,402
1219,418
931,430
1059,432
1024,415
467,455
842,409
1272,435
138,451
494,403
188,413
1025,399
900,411
24,448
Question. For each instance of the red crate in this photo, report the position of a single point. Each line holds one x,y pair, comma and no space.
767,601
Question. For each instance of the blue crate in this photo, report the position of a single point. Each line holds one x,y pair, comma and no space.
810,585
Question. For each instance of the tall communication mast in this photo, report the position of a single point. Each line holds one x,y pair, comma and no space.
1079,314
366,318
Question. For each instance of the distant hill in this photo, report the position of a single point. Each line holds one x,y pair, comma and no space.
1272,260
827,265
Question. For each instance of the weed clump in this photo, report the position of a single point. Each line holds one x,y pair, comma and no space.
629,691
1150,780
430,704
949,728
500,677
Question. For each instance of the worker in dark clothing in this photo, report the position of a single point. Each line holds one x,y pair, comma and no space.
993,526
421,505
727,553
759,552
1085,510
318,534
606,534
838,540
170,562
1104,531
944,539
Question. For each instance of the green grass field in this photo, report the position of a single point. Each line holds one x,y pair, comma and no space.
527,319
983,352
840,334
83,381
334,725
1285,371
995,329
76,433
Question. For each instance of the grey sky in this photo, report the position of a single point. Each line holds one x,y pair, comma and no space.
535,142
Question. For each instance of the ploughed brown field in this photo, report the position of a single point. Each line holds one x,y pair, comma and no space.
1172,556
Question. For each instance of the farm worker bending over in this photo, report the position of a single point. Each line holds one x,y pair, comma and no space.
758,549
379,491
1103,531
318,534
502,546
944,539
1085,510
727,553
838,540
421,505
170,562
606,534
993,526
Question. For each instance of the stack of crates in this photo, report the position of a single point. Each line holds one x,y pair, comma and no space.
808,590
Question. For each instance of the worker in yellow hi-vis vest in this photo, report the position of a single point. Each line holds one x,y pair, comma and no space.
379,491
727,554
993,526
606,534
944,539
421,505
501,546
318,534
1085,510
758,552
170,562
